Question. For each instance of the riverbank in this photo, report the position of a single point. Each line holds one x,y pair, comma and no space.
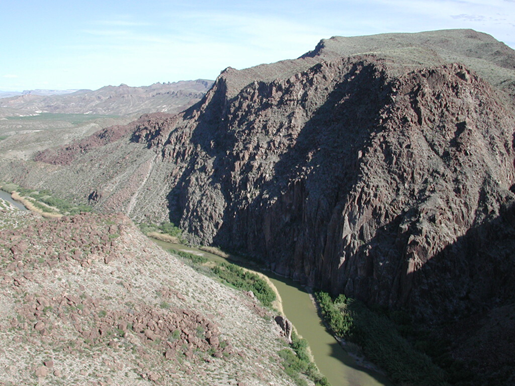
212,253
353,349
380,339
277,303
43,202
334,362
30,206
6,197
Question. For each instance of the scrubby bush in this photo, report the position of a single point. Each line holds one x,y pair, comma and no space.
195,259
171,229
168,228
45,197
296,361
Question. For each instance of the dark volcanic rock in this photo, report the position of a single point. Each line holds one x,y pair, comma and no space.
377,167
345,176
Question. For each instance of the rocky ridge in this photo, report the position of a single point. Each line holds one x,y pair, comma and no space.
32,123
89,298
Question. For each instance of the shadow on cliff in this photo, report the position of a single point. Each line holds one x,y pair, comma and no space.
324,160
469,277
290,224
212,136
466,295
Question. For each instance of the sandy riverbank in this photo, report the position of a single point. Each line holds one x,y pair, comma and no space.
30,206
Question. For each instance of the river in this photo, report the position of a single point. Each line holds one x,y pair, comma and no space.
7,197
333,361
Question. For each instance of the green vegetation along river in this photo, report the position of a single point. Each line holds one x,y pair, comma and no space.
334,362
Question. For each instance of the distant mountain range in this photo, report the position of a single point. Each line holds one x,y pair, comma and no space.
109,100
42,92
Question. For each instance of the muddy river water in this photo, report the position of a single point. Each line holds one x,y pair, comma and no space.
7,197
340,368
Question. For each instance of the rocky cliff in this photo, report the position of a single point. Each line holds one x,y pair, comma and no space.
380,167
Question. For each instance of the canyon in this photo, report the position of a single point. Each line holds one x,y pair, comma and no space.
380,167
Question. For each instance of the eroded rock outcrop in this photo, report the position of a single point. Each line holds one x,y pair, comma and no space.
346,177
286,327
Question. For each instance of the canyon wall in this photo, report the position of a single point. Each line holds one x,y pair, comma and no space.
384,175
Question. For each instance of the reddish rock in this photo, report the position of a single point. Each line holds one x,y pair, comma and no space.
170,354
42,372
49,363
153,377
39,326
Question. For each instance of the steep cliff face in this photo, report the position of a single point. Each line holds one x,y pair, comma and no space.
346,178
369,174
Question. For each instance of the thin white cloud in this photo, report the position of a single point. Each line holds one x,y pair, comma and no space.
123,23
476,18
10,76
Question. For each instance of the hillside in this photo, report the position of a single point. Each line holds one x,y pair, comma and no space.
32,122
381,167
89,299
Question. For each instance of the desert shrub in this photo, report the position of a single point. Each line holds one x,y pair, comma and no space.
164,305
147,228
296,361
195,259
340,322
170,229
45,197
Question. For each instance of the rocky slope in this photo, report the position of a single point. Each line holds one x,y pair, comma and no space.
381,167
90,300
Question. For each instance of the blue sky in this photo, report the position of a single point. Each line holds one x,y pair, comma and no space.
72,44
